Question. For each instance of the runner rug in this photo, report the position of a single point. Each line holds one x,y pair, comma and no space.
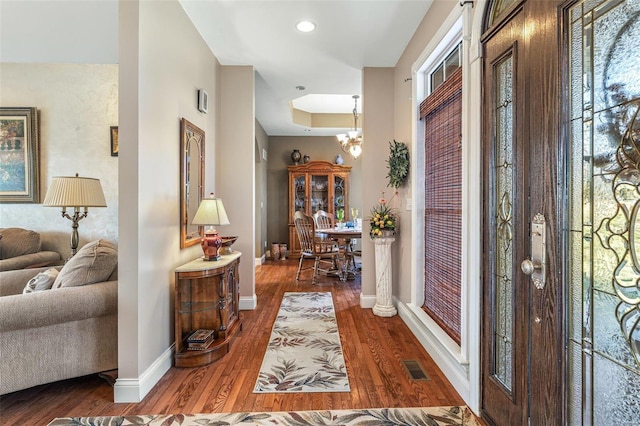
428,416
304,352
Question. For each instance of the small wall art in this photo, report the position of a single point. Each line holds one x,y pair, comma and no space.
115,147
203,101
19,156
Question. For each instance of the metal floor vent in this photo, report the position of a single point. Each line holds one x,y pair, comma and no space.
415,369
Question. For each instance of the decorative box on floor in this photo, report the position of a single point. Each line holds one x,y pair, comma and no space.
207,300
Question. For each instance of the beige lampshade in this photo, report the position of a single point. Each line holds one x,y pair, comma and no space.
74,191
211,212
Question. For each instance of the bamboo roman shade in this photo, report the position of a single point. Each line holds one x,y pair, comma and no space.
441,112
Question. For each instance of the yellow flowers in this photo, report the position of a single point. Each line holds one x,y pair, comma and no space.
382,218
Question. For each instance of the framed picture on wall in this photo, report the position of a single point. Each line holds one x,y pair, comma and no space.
114,141
19,157
203,101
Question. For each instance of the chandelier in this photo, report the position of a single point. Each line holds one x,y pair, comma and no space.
351,142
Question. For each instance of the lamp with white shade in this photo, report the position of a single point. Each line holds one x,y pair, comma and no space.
79,193
211,213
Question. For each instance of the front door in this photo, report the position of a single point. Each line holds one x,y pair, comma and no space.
562,193
522,311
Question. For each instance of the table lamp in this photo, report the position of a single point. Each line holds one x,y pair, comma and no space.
76,192
211,212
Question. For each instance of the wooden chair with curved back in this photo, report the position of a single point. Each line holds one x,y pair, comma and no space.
321,251
323,220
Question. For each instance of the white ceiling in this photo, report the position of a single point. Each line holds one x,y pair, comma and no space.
349,35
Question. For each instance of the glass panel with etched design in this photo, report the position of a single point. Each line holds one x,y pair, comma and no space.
300,194
503,214
604,219
339,194
319,193
497,9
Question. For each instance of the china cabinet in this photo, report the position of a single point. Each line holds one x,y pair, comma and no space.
316,185
207,298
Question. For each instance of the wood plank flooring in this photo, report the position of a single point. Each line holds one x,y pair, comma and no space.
373,350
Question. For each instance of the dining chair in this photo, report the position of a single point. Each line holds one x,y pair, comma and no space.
322,252
323,220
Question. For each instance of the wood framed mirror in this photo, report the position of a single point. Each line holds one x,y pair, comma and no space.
191,181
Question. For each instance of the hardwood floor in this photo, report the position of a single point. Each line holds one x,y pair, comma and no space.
373,350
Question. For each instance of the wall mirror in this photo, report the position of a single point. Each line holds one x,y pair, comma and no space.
191,181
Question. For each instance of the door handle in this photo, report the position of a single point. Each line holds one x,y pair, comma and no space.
535,267
529,267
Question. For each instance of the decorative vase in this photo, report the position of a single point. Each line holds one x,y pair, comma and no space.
339,159
283,251
296,156
306,159
275,251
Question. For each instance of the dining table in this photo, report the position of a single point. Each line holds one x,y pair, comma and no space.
345,259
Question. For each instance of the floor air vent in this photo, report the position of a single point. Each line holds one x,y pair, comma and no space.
415,369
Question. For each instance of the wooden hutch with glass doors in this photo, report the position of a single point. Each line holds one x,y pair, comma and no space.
316,185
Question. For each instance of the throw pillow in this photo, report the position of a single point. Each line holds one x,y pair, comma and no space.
93,263
42,281
17,241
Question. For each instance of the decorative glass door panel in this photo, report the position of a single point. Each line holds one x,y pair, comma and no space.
604,224
319,193
300,193
503,269
339,193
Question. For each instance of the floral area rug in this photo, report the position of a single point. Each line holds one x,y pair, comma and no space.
428,416
304,352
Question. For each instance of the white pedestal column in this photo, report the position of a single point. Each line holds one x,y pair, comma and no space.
384,303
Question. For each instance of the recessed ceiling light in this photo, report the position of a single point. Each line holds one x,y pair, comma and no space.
300,88
306,26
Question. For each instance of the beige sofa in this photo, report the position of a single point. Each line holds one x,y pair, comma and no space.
56,334
20,249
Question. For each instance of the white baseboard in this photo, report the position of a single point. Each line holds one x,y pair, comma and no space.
260,260
367,301
134,390
248,303
440,347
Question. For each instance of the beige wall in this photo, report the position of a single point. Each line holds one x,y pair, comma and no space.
235,167
377,125
262,144
318,148
163,62
77,104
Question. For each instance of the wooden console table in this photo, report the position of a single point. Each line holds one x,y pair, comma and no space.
207,296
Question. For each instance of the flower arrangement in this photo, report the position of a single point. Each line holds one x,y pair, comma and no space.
383,218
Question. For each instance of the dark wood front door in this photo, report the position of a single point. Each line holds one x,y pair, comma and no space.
522,334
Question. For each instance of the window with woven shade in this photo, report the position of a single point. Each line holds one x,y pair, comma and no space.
441,112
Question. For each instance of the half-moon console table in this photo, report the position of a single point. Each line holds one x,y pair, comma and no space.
207,297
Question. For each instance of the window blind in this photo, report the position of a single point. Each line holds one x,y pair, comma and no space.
441,112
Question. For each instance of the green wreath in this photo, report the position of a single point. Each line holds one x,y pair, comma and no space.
398,163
